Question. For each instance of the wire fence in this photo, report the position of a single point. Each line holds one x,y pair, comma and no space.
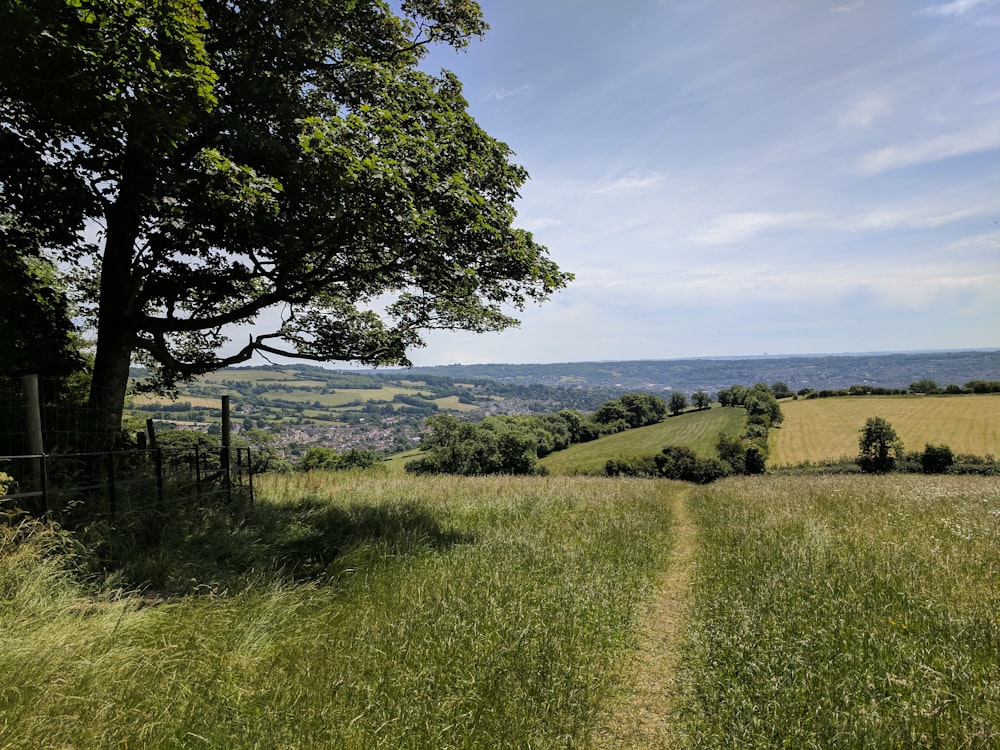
53,473
81,487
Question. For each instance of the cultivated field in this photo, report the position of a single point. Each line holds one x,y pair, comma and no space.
697,430
387,611
823,429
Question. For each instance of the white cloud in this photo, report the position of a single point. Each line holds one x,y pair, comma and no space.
850,7
954,8
538,224
738,227
501,94
635,181
983,138
889,218
865,111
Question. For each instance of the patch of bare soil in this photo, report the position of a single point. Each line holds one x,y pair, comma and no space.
640,714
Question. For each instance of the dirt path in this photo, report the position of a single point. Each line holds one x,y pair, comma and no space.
640,715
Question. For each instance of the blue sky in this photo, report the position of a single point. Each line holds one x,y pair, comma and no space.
741,178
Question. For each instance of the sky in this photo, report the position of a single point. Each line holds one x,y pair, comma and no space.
733,178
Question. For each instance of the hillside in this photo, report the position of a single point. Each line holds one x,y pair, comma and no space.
819,372
697,430
827,428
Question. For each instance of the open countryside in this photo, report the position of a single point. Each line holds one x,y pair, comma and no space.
385,611
826,429
697,430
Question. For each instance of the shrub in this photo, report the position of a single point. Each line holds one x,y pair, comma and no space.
936,459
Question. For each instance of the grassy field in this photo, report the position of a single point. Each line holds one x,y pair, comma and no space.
342,396
145,399
845,612
697,430
344,612
822,429
387,611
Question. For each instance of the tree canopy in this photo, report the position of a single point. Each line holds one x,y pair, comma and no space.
878,446
204,165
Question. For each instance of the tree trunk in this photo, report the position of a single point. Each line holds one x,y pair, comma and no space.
116,319
107,389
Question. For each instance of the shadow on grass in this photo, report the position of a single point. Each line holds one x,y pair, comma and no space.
225,550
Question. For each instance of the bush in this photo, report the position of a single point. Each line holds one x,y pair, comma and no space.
936,459
634,466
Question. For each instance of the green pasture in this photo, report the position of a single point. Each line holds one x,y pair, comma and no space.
339,397
386,611
698,430
342,612
827,428
146,399
850,612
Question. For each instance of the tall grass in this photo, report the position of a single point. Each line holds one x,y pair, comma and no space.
343,611
859,612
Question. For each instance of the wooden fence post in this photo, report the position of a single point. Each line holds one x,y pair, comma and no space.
33,428
227,441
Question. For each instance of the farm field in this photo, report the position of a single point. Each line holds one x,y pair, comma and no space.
697,430
386,611
147,399
824,429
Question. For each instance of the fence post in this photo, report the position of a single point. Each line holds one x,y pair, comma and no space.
33,426
197,470
112,493
250,474
227,435
158,462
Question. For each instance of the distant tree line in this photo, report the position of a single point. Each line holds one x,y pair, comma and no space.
922,386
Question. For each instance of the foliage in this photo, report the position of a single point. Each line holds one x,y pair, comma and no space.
936,459
701,399
37,336
677,462
673,462
678,403
494,446
924,385
238,165
879,446
633,409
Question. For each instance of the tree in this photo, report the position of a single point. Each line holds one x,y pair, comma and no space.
250,158
643,409
678,403
37,336
924,385
879,446
701,399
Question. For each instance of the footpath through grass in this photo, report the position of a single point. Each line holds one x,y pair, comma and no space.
344,612
400,612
